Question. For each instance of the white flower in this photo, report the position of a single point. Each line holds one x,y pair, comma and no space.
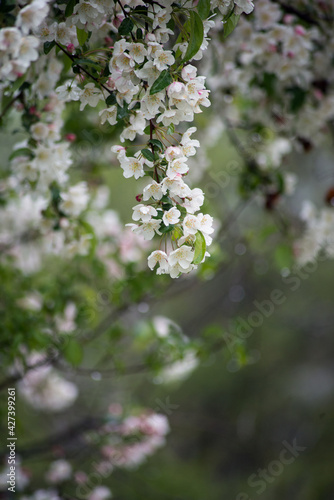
173,152
138,52
32,15
190,225
246,6
109,114
39,131
163,59
194,200
161,258
68,92
90,95
152,190
143,212
146,229
75,200
161,16
176,90
182,256
27,50
152,103
176,187
205,223
120,152
132,167
172,216
85,12
59,471
177,166
175,271
189,145
124,62
188,72
10,39
148,72
100,493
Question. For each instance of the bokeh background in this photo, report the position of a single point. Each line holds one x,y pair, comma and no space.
233,415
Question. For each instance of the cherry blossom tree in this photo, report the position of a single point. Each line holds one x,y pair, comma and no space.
139,74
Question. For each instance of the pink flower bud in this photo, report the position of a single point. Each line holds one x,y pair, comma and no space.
139,197
70,137
80,477
288,19
318,94
118,21
300,30
70,47
115,409
111,83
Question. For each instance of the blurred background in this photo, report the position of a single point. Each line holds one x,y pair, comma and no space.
268,389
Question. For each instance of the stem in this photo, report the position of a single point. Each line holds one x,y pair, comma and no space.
152,149
9,105
304,16
83,69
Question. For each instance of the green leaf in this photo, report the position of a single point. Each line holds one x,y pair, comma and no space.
200,247
230,24
111,99
298,99
7,6
126,26
283,256
269,83
166,229
48,46
21,152
196,36
163,80
122,112
73,352
171,129
177,233
17,84
90,230
87,62
147,154
156,144
69,7
82,36
182,210
203,8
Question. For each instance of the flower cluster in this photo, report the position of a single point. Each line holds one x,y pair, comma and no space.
318,236
18,47
44,389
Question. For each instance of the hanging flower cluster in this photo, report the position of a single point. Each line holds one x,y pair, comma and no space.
135,57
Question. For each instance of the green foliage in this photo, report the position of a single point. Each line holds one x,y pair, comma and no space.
82,36
72,351
196,35
126,26
69,7
163,80
147,154
230,24
200,248
111,99
48,46
203,8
